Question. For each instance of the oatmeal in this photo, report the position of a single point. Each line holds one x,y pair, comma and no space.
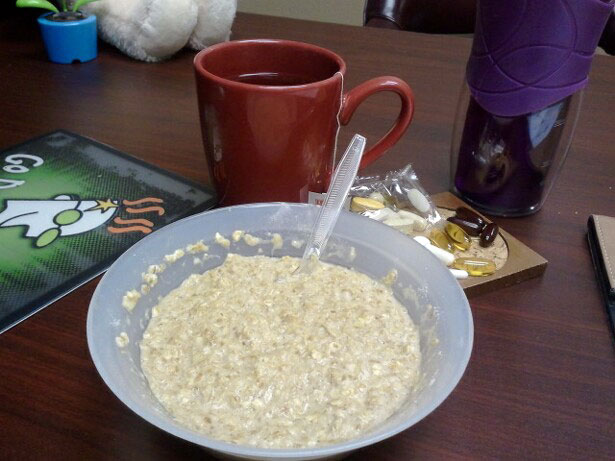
198,247
251,240
122,339
222,241
236,235
246,354
277,241
173,257
130,299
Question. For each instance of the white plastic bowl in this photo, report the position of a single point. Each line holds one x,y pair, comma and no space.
424,286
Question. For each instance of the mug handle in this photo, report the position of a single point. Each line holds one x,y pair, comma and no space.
357,95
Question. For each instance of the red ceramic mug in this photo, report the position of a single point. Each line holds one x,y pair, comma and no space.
270,111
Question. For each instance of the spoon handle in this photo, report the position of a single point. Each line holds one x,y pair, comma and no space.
341,183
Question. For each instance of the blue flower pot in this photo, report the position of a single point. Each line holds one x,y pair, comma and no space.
69,41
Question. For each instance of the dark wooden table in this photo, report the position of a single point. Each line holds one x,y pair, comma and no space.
541,380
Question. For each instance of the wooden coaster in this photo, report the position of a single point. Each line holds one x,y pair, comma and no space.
521,263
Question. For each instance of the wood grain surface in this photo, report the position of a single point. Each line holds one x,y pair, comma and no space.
541,380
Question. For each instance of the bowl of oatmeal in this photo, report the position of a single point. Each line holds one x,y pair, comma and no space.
203,330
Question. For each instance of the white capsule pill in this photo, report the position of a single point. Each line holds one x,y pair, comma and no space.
419,223
418,200
459,274
377,196
443,255
379,215
422,240
396,221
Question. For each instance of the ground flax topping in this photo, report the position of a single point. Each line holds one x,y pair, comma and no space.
248,354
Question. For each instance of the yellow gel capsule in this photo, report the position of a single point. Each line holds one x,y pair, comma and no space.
360,204
476,267
439,239
460,239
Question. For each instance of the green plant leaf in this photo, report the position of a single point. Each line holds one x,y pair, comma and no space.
37,4
63,3
79,3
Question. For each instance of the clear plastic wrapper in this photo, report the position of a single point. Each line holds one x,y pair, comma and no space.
461,239
396,199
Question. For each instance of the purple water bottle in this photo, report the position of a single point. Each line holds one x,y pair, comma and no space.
530,61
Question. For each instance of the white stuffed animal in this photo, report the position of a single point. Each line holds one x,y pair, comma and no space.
153,30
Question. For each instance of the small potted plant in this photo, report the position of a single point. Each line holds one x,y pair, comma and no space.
69,35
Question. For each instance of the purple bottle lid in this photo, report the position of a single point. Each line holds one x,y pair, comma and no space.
528,54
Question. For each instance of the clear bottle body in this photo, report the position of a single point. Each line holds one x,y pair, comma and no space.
506,166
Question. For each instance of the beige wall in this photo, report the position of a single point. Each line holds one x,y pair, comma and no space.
338,11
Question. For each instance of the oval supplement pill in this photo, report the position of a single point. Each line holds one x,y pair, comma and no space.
377,196
460,239
439,239
488,235
418,200
470,227
360,204
419,223
476,267
381,214
468,215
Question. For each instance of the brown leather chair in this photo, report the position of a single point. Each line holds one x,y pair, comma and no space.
443,17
